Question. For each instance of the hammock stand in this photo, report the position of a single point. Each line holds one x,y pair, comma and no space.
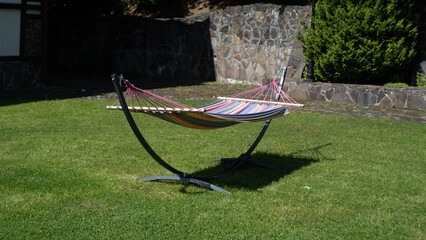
235,163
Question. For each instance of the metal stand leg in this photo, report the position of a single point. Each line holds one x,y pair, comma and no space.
235,163
185,179
181,176
245,158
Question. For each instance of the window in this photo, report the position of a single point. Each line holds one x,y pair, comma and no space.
10,32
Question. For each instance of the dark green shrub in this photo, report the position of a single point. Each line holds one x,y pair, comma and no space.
361,41
420,80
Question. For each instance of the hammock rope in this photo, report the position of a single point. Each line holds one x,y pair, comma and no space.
257,104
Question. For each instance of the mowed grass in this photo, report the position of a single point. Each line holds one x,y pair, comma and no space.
69,168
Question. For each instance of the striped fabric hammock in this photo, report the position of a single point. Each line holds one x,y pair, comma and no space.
258,104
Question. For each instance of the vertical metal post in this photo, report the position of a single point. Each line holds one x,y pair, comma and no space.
265,127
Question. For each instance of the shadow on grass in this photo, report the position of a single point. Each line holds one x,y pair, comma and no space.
4,103
253,178
77,90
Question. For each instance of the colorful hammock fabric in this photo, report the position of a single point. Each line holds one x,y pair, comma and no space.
251,106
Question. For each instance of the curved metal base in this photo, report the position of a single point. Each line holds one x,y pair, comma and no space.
181,176
184,179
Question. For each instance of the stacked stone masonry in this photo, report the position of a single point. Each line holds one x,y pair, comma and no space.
368,95
252,43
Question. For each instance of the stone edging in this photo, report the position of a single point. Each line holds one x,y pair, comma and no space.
368,95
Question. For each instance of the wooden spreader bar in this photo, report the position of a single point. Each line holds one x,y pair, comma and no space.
157,109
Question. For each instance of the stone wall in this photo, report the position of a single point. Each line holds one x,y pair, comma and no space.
252,43
237,44
369,95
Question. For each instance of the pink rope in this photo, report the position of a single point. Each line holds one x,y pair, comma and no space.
269,92
153,99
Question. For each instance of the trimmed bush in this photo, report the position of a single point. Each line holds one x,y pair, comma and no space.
362,41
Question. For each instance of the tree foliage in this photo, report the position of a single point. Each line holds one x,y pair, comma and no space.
361,41
150,8
146,8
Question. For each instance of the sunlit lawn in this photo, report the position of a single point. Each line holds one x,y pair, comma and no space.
69,169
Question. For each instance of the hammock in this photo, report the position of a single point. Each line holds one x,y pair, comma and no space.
251,106
262,103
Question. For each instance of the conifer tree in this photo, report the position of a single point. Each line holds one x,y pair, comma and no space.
362,41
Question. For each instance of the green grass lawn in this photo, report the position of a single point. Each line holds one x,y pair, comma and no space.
69,168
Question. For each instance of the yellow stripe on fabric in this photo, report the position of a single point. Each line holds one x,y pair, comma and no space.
237,108
174,118
179,121
256,109
205,117
167,117
186,123
240,108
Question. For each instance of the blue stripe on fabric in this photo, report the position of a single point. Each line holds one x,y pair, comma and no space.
249,108
226,108
267,108
262,113
248,117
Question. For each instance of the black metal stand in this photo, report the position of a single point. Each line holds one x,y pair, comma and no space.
184,179
235,163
